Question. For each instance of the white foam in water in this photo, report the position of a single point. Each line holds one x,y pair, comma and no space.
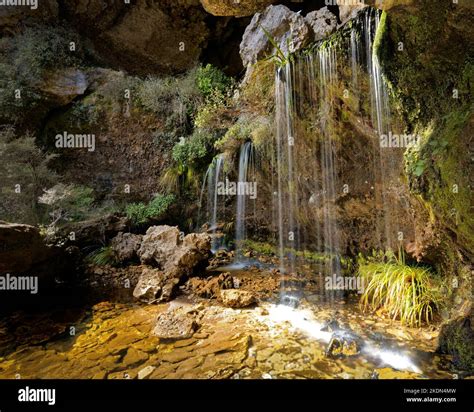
299,319
394,359
303,320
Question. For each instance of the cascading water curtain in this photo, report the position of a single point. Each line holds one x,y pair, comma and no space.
213,176
307,91
286,190
246,173
381,121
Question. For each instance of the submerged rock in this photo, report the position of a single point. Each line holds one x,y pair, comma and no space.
342,346
212,286
236,298
175,324
146,372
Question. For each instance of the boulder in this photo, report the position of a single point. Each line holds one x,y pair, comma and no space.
175,324
322,23
14,18
64,85
236,298
173,258
155,286
287,28
159,245
165,36
126,246
162,247
348,12
456,338
88,232
234,8
21,248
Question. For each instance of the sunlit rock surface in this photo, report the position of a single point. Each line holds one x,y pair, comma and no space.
234,8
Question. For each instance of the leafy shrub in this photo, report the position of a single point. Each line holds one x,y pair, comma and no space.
140,213
85,113
167,95
68,202
192,150
13,109
39,48
24,59
212,83
23,172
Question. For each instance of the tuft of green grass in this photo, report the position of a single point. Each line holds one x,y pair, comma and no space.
103,256
408,293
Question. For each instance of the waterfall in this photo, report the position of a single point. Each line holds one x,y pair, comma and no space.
354,53
381,120
308,90
286,190
246,164
211,180
328,76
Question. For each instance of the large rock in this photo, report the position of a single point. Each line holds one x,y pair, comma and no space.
456,338
144,36
348,12
322,23
21,248
155,286
63,85
236,298
288,29
162,247
174,258
126,246
234,8
13,18
90,231
158,245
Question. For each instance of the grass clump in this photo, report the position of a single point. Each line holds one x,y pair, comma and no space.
103,256
260,248
408,293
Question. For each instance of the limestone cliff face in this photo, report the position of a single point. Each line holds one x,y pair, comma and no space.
233,8
142,37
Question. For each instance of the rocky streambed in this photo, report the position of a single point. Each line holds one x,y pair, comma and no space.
168,309
195,337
